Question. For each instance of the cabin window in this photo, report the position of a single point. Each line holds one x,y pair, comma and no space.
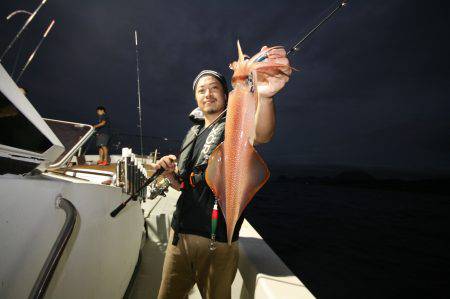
70,134
17,131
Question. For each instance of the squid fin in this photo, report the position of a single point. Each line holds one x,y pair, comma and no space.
255,177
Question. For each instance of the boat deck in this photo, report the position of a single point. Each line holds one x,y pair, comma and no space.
147,279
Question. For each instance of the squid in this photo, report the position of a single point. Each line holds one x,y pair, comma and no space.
235,170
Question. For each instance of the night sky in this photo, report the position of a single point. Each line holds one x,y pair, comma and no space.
372,89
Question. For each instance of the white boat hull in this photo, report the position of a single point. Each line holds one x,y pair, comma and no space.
102,252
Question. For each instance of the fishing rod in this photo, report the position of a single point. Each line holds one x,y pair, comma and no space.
28,21
139,93
161,170
50,26
157,173
295,48
16,12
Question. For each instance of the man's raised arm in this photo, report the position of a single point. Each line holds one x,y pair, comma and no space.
265,111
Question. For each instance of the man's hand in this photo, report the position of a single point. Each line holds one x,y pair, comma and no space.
167,162
271,84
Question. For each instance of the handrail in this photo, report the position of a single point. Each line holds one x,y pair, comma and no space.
85,172
70,153
47,271
66,175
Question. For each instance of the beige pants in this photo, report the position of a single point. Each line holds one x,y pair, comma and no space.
192,262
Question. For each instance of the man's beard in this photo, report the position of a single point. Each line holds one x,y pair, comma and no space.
212,110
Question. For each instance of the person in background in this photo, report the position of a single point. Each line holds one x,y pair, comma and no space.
103,135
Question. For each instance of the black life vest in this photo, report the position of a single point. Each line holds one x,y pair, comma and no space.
215,137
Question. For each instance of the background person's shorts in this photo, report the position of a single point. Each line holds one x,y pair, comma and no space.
102,139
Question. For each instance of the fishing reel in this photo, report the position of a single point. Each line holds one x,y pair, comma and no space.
159,187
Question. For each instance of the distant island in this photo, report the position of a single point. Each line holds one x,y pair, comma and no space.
353,177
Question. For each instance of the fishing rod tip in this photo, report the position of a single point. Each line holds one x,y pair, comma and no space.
17,12
344,3
50,26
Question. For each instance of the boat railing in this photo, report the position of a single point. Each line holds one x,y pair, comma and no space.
75,171
47,271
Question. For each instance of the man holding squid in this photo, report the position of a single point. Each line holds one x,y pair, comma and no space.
202,248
